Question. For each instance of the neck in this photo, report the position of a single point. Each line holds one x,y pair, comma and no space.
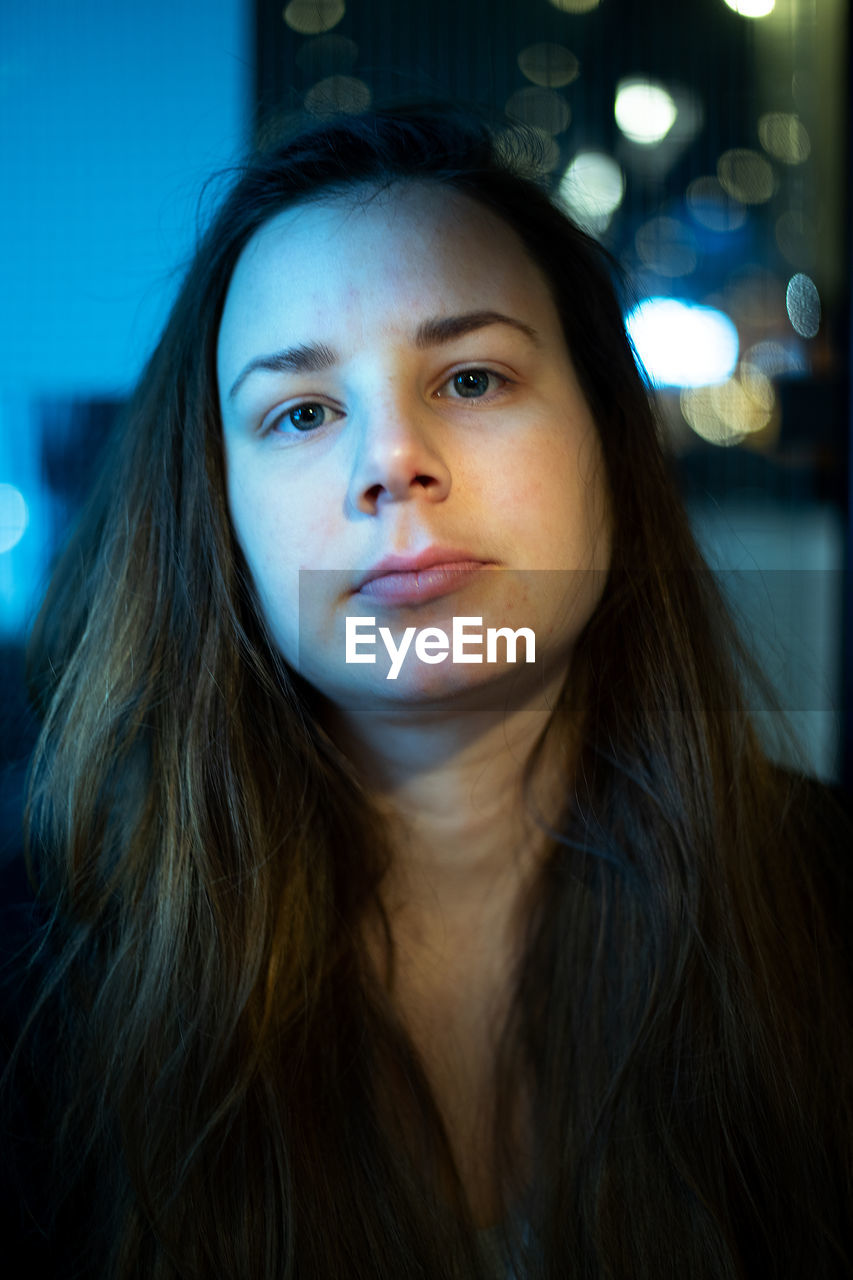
466,848
463,832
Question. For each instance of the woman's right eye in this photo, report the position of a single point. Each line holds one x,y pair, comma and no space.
306,416
302,418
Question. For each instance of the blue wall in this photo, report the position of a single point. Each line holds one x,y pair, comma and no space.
112,116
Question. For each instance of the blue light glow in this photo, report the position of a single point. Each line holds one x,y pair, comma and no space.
14,517
682,344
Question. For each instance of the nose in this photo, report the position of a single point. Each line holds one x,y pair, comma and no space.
398,459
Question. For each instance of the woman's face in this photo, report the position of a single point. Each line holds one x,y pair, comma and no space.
406,441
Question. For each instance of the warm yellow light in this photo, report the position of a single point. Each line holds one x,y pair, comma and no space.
645,111
574,6
784,136
311,17
700,412
746,176
725,413
337,94
752,8
550,65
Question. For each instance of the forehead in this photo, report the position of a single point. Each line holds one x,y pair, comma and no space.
393,255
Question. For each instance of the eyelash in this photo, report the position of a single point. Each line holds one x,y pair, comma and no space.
280,419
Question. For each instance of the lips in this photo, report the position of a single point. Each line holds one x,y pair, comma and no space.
406,580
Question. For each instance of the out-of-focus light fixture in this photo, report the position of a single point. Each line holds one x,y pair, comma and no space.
682,344
746,176
645,111
592,188
725,413
784,136
542,108
574,6
14,517
549,65
337,94
802,301
312,17
752,8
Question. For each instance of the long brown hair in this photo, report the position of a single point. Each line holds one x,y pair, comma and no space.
206,854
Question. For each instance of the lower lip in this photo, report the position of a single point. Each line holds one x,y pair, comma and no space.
422,585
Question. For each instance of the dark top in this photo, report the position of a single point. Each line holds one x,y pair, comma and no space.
33,1245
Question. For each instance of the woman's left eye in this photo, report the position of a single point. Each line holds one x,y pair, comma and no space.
472,384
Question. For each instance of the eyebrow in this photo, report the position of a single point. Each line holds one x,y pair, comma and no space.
314,357
307,358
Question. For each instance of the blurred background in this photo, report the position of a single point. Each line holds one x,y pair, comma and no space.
706,144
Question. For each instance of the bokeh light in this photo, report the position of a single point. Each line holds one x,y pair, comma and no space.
14,517
681,344
592,188
752,8
549,65
312,17
802,301
574,6
746,176
337,93
784,136
726,412
645,111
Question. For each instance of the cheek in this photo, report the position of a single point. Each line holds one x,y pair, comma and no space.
554,501
270,524
277,520
296,551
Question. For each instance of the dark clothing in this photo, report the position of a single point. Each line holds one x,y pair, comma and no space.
58,1249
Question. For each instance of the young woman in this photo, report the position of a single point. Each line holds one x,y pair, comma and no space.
419,967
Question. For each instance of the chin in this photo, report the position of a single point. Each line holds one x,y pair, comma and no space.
449,691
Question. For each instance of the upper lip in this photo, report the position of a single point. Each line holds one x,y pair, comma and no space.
427,559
